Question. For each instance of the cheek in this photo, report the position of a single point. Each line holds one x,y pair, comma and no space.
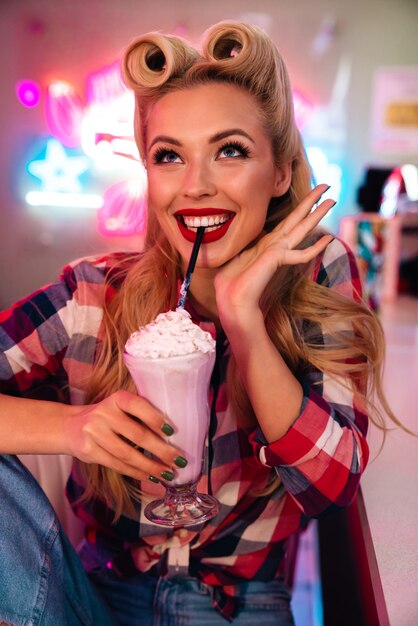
158,197
256,185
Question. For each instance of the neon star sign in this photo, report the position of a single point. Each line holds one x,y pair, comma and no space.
59,175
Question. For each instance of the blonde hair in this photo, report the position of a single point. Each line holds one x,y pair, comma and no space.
294,306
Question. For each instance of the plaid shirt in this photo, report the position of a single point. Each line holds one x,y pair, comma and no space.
48,345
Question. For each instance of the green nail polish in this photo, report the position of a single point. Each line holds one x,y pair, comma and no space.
153,479
167,429
180,461
167,475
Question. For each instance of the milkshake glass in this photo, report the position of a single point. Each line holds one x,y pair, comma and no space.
171,362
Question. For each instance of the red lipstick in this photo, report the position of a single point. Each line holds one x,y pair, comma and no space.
208,237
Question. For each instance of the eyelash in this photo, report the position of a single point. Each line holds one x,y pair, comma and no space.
163,151
236,145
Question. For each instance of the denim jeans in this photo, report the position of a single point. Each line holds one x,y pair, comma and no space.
43,581
181,601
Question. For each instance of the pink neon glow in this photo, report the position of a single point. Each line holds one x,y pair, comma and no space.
105,85
28,93
303,109
64,113
124,210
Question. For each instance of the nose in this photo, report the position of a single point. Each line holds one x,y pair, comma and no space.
198,181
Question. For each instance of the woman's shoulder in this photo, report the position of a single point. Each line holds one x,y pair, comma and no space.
100,268
336,267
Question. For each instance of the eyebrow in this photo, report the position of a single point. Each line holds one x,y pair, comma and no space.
218,137
164,139
227,133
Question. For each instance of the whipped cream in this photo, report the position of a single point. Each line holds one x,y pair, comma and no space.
171,334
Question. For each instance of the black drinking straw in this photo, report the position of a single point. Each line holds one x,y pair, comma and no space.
188,276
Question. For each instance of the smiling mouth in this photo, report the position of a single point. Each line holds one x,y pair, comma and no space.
215,221
210,222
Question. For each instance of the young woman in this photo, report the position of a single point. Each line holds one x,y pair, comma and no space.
299,357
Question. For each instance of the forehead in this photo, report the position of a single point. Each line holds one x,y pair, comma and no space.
204,110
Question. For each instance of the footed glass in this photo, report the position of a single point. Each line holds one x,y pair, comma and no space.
178,386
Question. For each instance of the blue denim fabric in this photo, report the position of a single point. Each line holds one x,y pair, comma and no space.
42,581
149,601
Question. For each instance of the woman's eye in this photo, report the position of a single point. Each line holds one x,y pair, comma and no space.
164,155
233,150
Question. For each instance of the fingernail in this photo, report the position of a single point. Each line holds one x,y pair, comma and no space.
153,479
167,429
167,475
180,461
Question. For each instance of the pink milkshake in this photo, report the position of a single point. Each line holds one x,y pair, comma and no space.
171,362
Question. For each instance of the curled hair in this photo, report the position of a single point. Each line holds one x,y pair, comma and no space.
153,59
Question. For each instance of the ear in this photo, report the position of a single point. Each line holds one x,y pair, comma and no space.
282,180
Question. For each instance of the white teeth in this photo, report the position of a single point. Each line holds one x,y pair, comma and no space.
207,220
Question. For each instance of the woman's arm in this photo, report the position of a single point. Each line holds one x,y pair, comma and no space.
312,434
32,426
43,338
274,392
92,433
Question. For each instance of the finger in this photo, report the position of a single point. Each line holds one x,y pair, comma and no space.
302,209
304,227
126,458
147,433
145,438
295,257
107,459
141,409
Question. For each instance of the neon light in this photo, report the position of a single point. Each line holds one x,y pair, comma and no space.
71,200
124,208
302,107
105,85
325,172
110,124
410,177
64,113
60,88
104,131
28,93
391,192
59,172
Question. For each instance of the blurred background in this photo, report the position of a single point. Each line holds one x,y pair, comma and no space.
70,185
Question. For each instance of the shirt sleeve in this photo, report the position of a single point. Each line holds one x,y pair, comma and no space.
40,333
323,454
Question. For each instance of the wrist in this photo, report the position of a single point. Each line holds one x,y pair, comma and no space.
244,328
64,428
241,319
52,437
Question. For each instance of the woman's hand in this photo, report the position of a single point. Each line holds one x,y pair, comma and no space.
241,282
95,434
